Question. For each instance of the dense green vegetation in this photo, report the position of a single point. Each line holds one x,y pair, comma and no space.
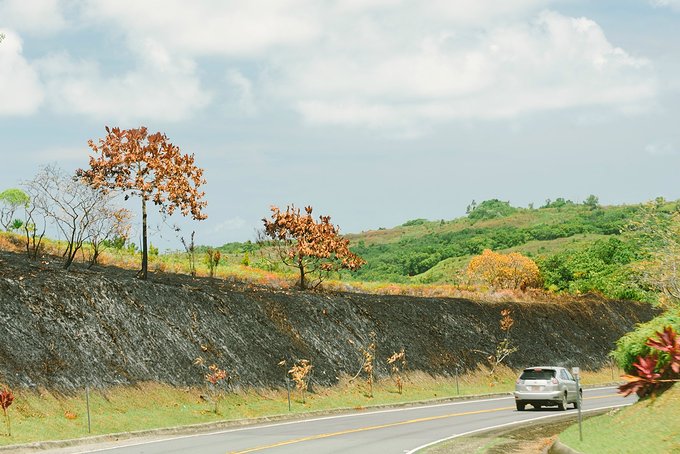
632,345
579,247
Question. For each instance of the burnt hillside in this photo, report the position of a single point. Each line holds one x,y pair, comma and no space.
67,329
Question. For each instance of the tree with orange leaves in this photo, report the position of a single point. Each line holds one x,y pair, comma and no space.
151,167
314,248
504,271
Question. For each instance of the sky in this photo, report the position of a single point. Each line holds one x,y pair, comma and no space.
372,111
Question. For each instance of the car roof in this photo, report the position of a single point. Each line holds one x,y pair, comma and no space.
543,367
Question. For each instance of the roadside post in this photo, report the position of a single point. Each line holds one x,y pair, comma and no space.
288,389
457,388
87,401
576,371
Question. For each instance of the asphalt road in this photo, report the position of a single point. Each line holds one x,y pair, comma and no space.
399,430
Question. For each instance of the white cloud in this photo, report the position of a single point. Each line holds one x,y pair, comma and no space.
674,4
555,62
244,87
33,16
20,90
211,27
236,223
62,155
391,64
662,149
160,88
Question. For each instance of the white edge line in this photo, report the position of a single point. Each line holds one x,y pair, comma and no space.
514,423
300,421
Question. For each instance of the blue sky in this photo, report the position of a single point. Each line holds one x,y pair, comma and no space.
372,111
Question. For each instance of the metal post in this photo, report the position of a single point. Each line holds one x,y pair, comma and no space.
87,401
288,389
580,402
457,388
577,372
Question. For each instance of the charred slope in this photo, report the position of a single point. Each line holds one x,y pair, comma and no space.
64,330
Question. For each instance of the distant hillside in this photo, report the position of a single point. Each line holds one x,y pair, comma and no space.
579,248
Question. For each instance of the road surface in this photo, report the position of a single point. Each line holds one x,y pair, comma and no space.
398,430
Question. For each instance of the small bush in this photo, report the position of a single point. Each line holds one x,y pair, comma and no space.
412,222
490,209
633,345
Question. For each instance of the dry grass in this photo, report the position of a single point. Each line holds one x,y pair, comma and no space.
178,264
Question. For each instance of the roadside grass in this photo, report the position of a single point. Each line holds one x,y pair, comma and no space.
45,415
652,425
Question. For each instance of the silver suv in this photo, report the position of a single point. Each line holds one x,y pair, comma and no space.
546,386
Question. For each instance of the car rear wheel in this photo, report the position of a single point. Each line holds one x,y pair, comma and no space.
520,406
562,405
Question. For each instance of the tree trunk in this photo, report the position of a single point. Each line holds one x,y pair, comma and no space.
303,284
95,257
145,252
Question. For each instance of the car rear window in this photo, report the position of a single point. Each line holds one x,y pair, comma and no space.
537,374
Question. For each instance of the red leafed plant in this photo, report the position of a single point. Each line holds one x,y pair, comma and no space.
6,399
658,370
668,342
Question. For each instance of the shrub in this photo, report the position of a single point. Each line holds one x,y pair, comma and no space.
413,222
504,271
658,370
490,209
634,344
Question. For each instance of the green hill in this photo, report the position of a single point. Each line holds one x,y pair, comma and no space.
578,247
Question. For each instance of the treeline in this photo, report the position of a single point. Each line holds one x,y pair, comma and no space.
413,255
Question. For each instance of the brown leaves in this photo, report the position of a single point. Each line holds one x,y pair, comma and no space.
506,321
147,165
397,363
300,373
307,244
215,375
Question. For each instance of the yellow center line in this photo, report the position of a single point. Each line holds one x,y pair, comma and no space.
381,426
364,429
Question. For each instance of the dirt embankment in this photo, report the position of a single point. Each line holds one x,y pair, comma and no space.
68,329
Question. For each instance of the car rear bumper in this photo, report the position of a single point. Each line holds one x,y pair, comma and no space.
550,396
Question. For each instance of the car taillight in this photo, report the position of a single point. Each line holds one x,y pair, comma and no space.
520,381
554,381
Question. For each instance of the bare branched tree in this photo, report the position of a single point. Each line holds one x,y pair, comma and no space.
35,225
657,233
73,207
109,223
190,249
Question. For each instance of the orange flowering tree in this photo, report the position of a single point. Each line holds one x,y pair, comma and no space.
313,247
148,166
504,271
